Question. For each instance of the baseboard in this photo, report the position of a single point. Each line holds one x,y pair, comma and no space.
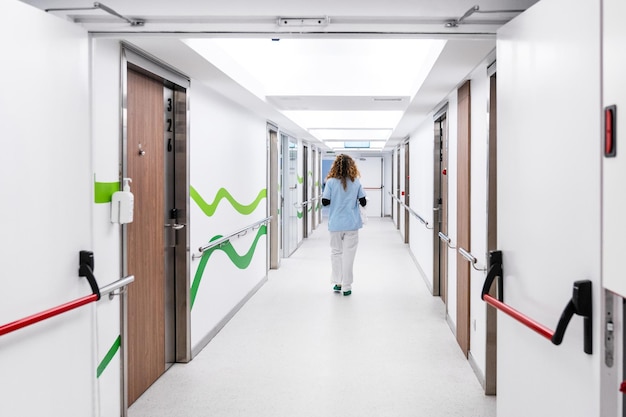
477,371
421,271
451,324
206,339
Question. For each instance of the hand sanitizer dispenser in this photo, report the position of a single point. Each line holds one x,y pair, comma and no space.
122,204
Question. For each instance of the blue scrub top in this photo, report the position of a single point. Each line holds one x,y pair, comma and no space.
343,212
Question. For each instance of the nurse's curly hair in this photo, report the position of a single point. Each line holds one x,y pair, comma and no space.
343,167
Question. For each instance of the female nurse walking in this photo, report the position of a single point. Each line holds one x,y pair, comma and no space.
342,194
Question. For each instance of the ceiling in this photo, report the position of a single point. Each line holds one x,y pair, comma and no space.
356,73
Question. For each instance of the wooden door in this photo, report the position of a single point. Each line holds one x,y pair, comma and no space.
463,218
145,240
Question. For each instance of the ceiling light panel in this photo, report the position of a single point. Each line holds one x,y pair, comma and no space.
351,134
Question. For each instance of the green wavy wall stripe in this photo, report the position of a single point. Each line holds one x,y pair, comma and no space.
104,190
109,356
240,261
210,208
300,179
300,214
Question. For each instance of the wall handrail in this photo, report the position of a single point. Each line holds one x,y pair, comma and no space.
223,240
413,212
471,258
85,269
580,304
446,239
117,285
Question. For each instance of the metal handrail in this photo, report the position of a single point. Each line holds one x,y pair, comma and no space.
446,239
307,202
119,284
410,210
227,238
471,258
580,304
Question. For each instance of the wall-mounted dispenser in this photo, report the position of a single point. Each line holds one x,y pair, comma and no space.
122,204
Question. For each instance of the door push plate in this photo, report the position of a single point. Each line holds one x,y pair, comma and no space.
609,344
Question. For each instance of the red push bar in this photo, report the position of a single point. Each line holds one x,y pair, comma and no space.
86,265
27,321
580,304
539,328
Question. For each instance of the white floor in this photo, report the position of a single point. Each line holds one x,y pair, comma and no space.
297,349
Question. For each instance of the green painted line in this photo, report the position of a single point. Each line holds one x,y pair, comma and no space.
104,190
210,208
109,356
300,179
240,261
300,214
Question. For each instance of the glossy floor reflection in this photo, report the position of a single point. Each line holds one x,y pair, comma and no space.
297,349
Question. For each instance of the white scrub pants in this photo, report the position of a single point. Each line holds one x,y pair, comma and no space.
342,252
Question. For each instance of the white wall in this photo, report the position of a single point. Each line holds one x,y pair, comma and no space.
478,210
421,197
228,151
46,178
106,142
549,205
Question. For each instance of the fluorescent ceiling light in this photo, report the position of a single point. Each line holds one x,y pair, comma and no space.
351,134
327,85
345,119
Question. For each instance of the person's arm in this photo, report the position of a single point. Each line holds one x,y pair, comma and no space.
362,196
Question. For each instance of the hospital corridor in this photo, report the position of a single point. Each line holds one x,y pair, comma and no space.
298,349
168,170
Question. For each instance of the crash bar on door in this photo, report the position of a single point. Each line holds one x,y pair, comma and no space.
471,258
221,241
580,304
85,270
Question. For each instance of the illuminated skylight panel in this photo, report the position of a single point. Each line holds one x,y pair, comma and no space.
345,119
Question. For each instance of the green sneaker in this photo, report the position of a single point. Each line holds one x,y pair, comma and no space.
337,288
347,292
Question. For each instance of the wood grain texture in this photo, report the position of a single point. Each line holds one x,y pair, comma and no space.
463,217
146,329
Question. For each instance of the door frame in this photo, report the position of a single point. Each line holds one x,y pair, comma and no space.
305,191
273,201
136,59
491,353
463,222
440,204
407,190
